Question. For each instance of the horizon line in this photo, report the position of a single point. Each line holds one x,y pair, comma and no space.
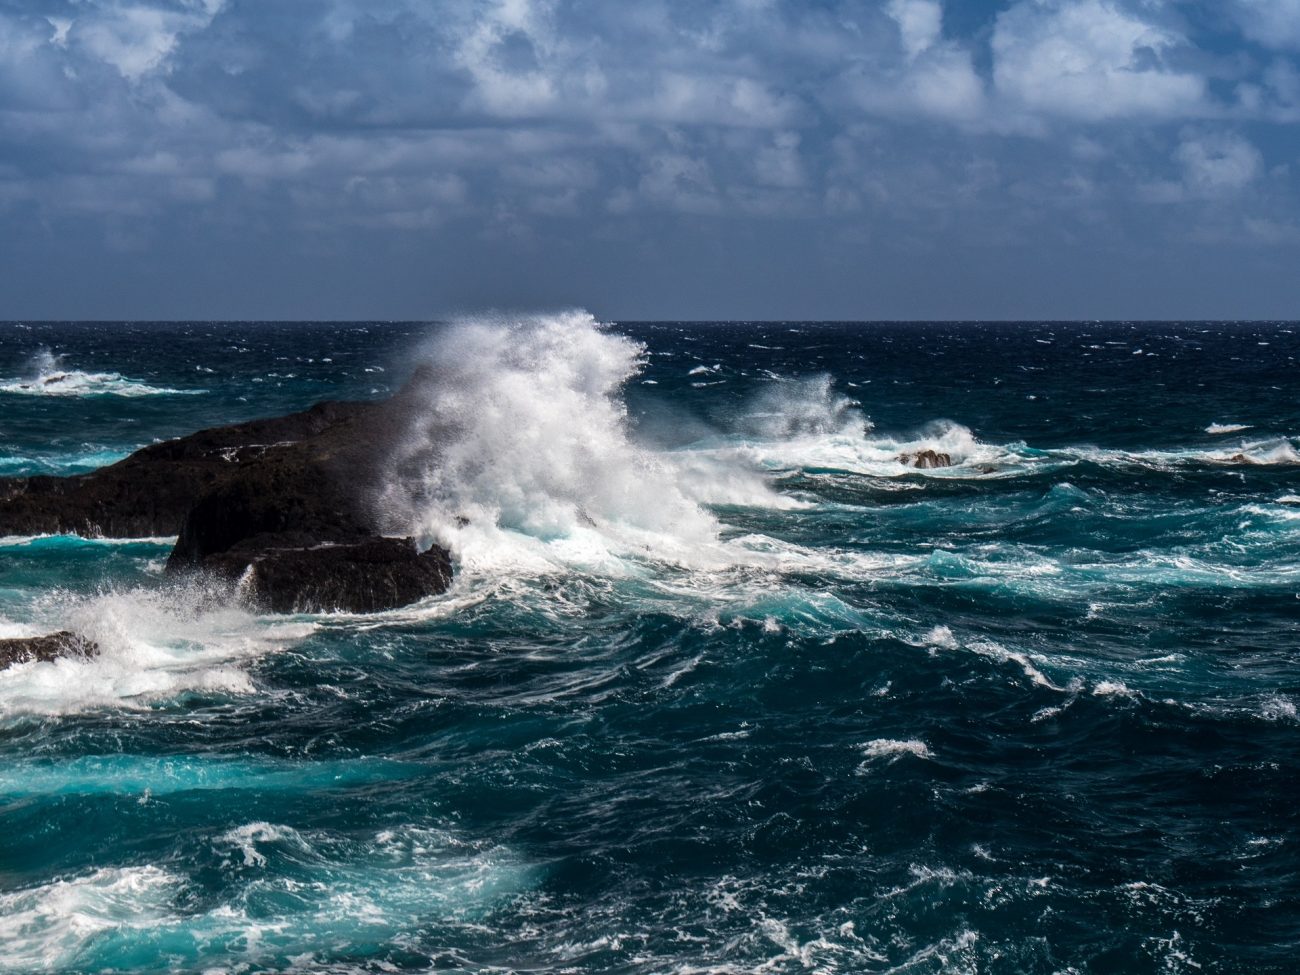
662,321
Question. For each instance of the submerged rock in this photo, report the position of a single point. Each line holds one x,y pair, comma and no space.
61,644
286,504
925,459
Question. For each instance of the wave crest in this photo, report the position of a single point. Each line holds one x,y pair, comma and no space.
47,376
521,452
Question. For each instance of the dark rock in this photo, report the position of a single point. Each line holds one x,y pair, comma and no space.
358,577
51,647
291,497
925,459
150,492
279,495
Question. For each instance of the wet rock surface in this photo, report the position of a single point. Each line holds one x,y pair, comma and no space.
364,576
287,506
925,459
23,650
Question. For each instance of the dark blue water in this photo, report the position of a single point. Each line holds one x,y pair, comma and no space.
722,685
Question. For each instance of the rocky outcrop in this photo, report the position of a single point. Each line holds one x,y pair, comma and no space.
925,459
284,507
62,644
364,576
151,492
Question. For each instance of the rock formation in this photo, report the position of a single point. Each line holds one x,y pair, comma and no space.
62,644
925,459
283,507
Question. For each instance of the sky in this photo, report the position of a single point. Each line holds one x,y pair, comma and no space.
685,159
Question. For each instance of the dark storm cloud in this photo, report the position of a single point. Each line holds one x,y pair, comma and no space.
741,158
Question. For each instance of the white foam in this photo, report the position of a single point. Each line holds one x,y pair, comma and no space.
893,748
941,636
154,645
45,928
1278,707
805,426
48,377
522,458
1273,451
247,837
1216,429
349,894
789,409
91,458
1113,688
25,541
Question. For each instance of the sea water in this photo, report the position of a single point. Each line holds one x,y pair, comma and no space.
723,684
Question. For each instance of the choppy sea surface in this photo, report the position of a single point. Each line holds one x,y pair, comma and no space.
721,686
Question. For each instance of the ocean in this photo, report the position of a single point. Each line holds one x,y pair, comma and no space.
722,683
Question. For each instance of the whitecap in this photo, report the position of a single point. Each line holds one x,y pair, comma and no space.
893,748
1216,429
154,644
348,895
1113,688
47,376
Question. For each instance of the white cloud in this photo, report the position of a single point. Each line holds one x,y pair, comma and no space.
1273,23
60,26
919,23
395,114
936,79
677,98
506,52
1217,163
779,164
1281,86
673,179
136,39
1089,60
943,83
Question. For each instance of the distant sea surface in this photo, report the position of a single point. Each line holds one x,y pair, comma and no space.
724,682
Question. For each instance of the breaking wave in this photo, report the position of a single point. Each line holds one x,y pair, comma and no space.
48,376
295,899
523,453
154,645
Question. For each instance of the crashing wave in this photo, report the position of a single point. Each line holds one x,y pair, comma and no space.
155,644
523,454
47,376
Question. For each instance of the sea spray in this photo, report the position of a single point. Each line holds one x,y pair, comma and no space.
153,645
789,409
47,375
523,452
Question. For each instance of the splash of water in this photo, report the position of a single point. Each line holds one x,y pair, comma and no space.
522,453
47,375
808,407
154,644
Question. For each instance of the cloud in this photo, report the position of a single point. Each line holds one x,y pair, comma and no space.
926,77
1090,60
1217,163
920,22
907,124
136,39
1273,23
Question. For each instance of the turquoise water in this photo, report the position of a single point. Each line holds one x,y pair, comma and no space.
721,686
